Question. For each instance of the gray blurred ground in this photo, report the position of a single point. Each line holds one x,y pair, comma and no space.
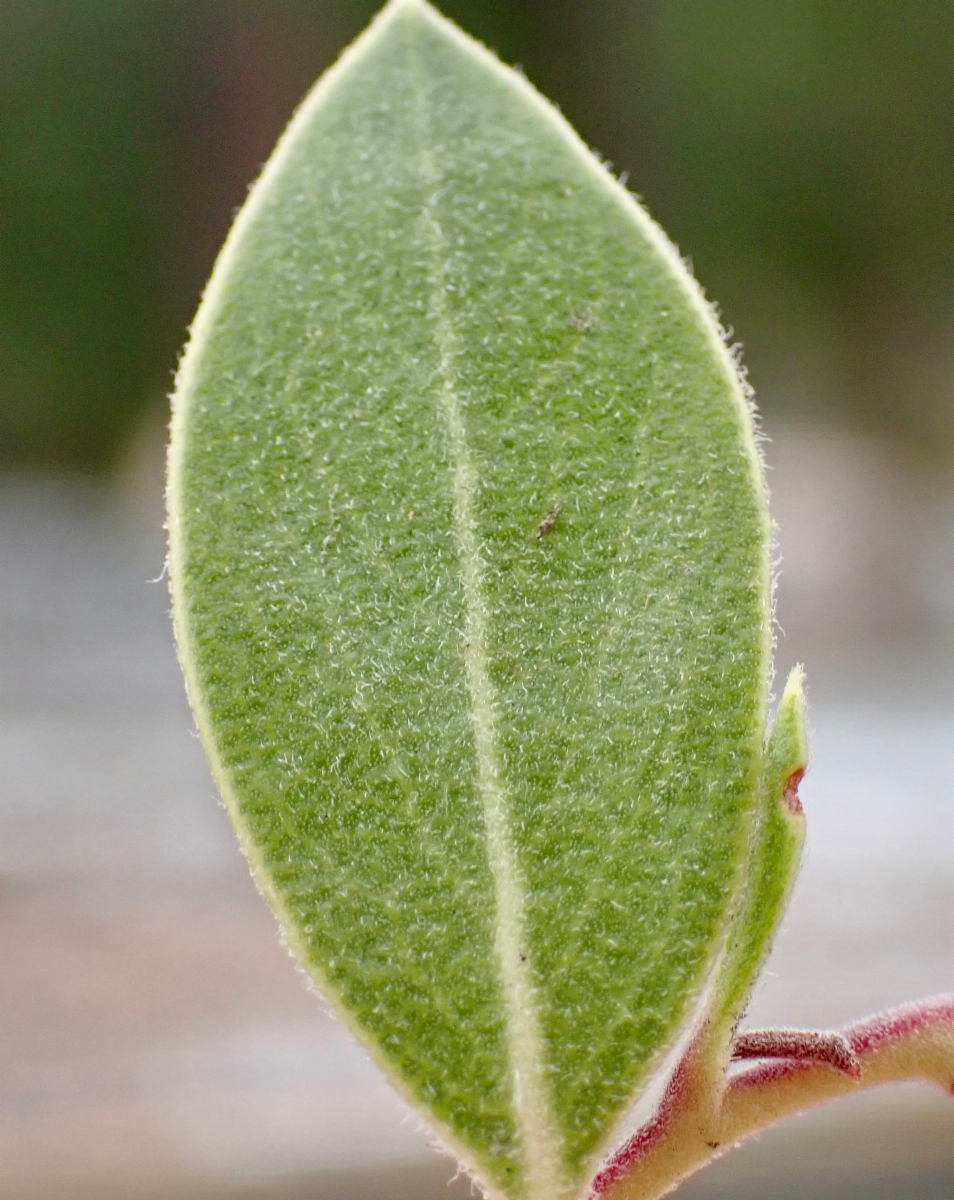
156,1040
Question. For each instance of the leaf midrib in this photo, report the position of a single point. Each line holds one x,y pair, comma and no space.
540,1143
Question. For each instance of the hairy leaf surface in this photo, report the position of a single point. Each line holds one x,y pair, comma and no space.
470,573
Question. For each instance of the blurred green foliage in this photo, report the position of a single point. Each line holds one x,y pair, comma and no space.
802,151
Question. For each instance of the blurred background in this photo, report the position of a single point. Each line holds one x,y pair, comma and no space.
156,1040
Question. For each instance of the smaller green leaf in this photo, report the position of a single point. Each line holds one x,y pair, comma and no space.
774,859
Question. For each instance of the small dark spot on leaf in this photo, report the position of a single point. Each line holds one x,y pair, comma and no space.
547,523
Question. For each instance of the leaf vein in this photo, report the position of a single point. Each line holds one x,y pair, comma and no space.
541,1144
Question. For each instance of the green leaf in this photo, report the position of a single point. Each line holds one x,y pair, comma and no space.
774,858
470,570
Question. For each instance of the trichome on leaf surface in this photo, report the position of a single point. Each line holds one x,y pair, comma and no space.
470,561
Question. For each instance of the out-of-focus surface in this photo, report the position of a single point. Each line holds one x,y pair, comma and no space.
156,1040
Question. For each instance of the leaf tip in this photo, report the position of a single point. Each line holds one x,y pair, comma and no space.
396,8
794,693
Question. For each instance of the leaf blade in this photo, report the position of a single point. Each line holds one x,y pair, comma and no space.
372,424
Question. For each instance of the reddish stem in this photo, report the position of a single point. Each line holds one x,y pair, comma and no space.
799,1069
801,1044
